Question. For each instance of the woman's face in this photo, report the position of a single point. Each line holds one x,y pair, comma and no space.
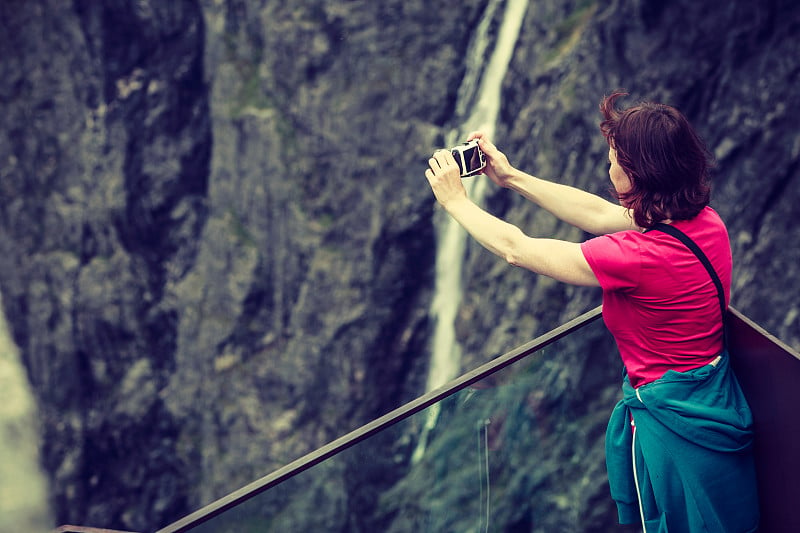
620,180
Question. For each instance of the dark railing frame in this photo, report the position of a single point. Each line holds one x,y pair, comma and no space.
401,413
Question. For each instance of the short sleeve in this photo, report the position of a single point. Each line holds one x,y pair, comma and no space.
615,259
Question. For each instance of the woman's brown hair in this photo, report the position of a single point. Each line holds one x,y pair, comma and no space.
667,162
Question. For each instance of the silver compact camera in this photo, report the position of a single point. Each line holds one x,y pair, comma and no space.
470,158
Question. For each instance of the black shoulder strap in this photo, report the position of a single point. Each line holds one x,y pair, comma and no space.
685,239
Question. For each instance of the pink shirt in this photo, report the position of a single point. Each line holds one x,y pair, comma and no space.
658,300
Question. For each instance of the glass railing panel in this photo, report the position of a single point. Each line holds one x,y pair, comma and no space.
471,461
769,372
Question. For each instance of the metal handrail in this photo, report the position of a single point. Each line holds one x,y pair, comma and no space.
379,424
84,529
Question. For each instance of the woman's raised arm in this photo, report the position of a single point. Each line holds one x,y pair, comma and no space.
577,207
560,260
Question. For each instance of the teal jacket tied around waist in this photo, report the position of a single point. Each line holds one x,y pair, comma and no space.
692,446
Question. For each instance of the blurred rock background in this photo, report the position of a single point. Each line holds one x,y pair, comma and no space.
217,243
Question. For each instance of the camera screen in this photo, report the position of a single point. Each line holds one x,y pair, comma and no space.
472,158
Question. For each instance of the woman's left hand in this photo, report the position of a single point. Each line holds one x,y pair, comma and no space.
445,178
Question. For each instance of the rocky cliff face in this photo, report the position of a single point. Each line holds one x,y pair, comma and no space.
217,241
105,167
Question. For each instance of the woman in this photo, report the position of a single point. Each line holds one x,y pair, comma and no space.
678,446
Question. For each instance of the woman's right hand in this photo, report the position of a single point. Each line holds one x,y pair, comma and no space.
497,168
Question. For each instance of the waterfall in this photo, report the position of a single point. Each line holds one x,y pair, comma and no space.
23,506
481,110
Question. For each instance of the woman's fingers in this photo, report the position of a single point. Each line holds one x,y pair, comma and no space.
444,176
441,160
489,149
